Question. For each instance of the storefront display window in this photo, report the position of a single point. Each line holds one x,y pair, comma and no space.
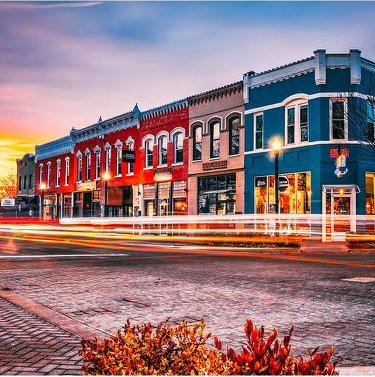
217,195
370,193
294,193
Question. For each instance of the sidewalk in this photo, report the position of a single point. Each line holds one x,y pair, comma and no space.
35,345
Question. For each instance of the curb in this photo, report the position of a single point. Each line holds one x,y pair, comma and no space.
357,371
60,320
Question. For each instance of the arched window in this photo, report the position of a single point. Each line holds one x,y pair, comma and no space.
79,170
178,144
108,159
88,166
131,164
234,136
49,174
215,139
149,153
97,163
40,174
58,173
197,143
163,150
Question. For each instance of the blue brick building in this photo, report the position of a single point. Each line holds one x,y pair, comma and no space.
320,110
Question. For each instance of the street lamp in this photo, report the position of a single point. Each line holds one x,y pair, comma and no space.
276,147
106,177
42,188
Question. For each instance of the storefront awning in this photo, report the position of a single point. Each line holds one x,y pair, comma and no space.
341,187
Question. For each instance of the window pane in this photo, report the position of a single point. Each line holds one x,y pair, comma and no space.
197,143
338,110
234,134
290,134
215,140
338,129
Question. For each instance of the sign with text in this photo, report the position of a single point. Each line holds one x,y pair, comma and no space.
86,186
6,202
215,165
261,182
128,156
334,152
283,183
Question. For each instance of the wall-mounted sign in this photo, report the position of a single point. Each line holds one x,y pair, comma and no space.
163,175
334,152
215,165
128,156
260,181
6,202
283,183
86,186
341,168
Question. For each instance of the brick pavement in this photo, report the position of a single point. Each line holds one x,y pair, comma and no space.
324,309
31,345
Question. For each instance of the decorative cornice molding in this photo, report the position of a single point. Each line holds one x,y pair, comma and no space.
164,109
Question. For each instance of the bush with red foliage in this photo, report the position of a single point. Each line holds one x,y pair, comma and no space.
183,350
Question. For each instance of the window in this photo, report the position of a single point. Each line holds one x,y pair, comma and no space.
88,166
291,123
48,174
58,173
370,131
338,121
178,145
67,170
370,193
40,174
131,164
79,171
149,153
20,182
108,160
234,136
30,181
163,150
119,161
197,143
259,129
215,140
297,123
24,182
97,164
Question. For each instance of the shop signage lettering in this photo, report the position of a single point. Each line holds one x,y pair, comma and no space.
261,182
215,165
6,202
179,189
341,168
128,156
149,192
86,186
163,175
334,152
283,183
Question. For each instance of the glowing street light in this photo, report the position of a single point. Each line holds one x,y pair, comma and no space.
42,188
106,178
276,148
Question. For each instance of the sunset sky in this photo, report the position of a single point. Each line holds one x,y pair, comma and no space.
65,64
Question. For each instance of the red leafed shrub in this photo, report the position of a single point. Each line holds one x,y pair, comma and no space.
268,356
183,350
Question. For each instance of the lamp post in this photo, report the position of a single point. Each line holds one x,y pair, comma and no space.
276,147
42,189
106,177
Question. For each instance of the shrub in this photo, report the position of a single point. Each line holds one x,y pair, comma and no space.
183,350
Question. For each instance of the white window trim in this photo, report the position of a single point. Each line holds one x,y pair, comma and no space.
146,150
79,166
175,149
67,170
166,135
108,156
130,143
98,156
255,131
48,183
233,114
118,154
296,104
192,127
345,101
211,122
41,171
177,130
88,159
58,173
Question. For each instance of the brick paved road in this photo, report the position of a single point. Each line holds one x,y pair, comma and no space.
103,292
31,346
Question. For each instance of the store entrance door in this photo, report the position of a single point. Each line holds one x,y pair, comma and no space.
339,212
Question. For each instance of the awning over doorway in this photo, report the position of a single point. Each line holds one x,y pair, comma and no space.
326,188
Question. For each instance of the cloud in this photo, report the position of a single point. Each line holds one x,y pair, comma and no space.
18,6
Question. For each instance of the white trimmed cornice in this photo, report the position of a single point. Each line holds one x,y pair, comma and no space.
308,97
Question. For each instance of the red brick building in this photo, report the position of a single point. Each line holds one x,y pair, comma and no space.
163,160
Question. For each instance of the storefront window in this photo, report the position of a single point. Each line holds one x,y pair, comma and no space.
294,193
217,195
370,193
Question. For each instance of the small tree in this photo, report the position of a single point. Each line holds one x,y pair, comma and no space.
8,186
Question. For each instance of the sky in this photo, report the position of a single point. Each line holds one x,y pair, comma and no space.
65,64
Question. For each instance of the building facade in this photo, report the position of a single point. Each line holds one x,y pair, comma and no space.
216,147
325,164
54,177
26,176
164,161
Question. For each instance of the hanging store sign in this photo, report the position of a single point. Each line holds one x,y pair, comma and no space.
334,152
86,186
341,168
215,165
128,156
283,183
